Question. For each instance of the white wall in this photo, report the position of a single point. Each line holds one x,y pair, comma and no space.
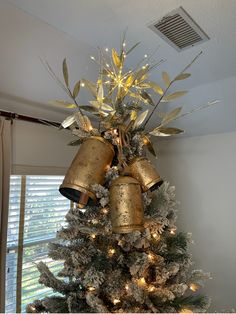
40,149
203,169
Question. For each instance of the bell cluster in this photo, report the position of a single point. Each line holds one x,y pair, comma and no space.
89,167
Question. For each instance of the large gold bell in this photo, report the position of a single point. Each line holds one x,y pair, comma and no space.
88,167
126,205
143,171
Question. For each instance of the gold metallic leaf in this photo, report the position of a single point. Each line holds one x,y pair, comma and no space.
100,94
65,72
182,76
140,119
133,115
91,87
159,131
144,85
100,105
171,115
166,78
89,109
132,48
174,96
129,81
147,98
157,88
76,89
68,121
63,103
116,58
149,145
140,73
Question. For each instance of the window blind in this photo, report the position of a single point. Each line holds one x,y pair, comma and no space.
44,210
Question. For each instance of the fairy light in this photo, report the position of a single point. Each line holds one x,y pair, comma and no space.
151,256
194,287
145,141
124,55
143,67
124,44
185,310
173,231
90,128
115,301
115,132
106,49
93,236
151,288
145,56
82,84
107,65
155,235
91,288
126,287
142,281
92,58
111,251
104,210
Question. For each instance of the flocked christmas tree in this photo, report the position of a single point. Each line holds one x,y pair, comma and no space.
121,249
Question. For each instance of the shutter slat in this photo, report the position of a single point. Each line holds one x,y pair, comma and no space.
45,210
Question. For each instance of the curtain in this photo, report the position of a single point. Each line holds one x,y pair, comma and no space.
5,172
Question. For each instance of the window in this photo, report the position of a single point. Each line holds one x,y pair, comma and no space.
36,211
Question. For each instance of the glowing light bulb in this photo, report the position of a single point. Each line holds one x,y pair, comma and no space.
145,56
151,288
115,132
115,301
172,231
91,288
142,281
82,84
106,49
126,287
124,55
150,256
145,141
194,287
155,235
124,44
104,210
93,236
185,310
92,58
143,67
107,65
111,251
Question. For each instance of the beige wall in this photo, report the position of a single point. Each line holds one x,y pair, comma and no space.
203,169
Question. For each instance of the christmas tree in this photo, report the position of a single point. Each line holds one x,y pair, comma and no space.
120,247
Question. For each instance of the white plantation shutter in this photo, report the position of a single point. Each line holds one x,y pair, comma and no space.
36,203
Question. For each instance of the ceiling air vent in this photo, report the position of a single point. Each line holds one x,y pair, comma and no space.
179,30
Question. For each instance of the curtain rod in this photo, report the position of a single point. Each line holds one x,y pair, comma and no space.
16,116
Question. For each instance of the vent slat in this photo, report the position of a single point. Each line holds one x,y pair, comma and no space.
188,37
179,29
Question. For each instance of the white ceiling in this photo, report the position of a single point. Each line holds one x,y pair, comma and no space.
92,23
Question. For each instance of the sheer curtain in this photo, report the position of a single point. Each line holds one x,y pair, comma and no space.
5,172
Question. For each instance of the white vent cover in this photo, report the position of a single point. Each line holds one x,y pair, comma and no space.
179,30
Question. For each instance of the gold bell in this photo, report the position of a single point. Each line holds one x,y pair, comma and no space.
88,167
126,205
143,171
